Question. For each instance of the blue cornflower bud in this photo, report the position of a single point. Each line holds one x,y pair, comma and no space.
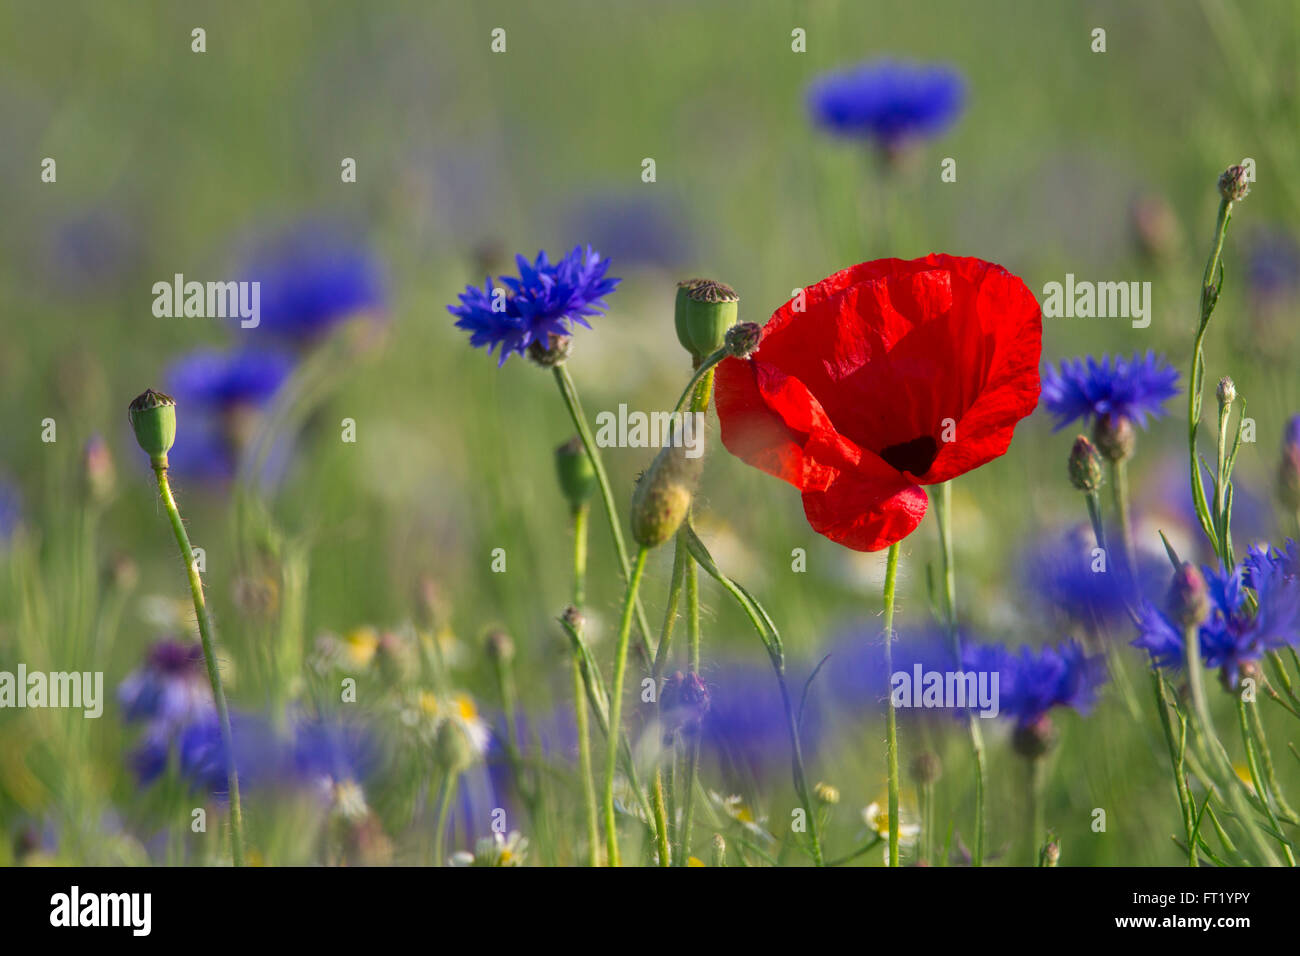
1085,465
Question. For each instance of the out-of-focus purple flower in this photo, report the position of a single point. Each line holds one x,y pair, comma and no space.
1035,681
546,301
219,396
745,727
91,250
1272,265
1129,389
631,228
1063,572
1234,634
171,689
313,277
11,510
888,102
334,750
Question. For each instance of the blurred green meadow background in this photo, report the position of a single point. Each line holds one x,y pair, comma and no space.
1102,165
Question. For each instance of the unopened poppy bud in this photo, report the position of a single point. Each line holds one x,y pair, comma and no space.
1288,472
663,495
704,311
742,339
1034,739
826,794
926,768
573,468
153,419
99,473
1233,184
1115,436
1188,602
554,352
499,646
1226,393
1085,465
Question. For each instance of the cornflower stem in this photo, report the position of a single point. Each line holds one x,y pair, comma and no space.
661,820
446,790
891,720
209,659
1177,758
1119,488
569,392
1257,780
1036,777
1216,754
616,703
1209,297
581,719
1266,761
943,514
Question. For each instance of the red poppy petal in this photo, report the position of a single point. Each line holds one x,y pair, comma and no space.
751,430
861,514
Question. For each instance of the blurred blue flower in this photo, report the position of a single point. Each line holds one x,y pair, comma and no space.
1114,388
547,299
1233,634
218,395
1061,571
171,689
313,277
335,750
632,228
1033,682
1273,265
888,101
11,510
745,727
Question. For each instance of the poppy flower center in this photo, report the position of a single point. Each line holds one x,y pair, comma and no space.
915,456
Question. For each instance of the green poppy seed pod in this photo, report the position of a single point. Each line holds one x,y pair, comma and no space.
663,496
1188,601
742,339
1115,436
573,468
153,419
705,310
1233,184
1034,739
1085,465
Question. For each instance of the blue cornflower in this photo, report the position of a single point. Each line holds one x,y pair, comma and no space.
1064,572
1234,634
171,689
1033,682
539,306
312,278
890,102
219,395
1273,265
1116,388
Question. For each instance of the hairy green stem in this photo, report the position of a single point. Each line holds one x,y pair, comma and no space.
210,660
891,719
586,780
616,704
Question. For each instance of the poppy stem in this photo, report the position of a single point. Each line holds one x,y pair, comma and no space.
891,722
943,514
616,704
209,659
569,392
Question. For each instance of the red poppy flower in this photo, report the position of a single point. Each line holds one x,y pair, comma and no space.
892,375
